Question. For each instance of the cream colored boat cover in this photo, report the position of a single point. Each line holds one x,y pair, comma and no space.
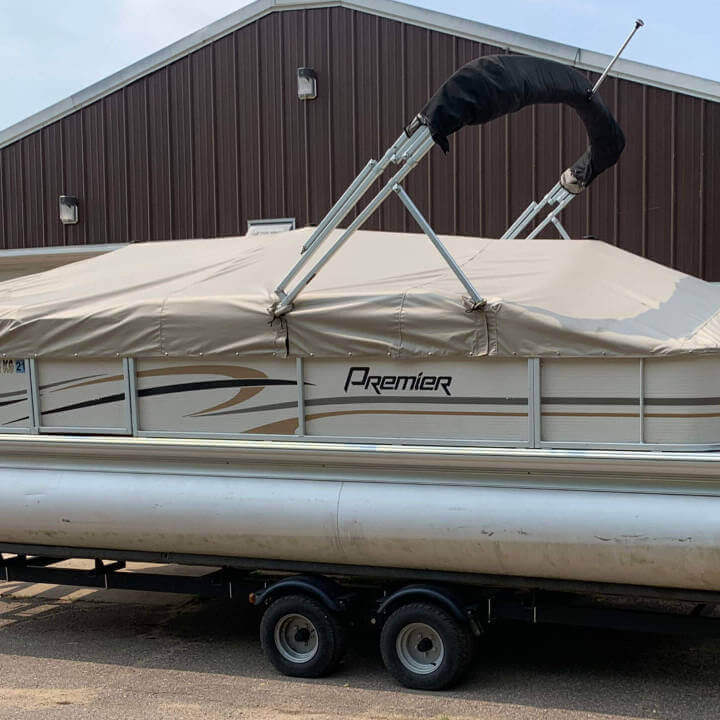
382,294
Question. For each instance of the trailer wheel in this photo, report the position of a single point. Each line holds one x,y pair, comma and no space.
301,637
424,647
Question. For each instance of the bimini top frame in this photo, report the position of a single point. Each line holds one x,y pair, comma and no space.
411,146
470,97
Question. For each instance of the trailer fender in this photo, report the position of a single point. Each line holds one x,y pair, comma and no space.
333,596
444,597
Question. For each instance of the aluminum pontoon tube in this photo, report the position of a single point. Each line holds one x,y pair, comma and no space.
605,536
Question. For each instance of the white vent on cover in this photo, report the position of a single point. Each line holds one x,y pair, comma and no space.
271,225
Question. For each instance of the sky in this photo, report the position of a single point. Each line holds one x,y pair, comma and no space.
51,49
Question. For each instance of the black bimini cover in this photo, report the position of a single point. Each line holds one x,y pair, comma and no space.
492,86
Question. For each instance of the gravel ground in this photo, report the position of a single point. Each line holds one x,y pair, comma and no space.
67,654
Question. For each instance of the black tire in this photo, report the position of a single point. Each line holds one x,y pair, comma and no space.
290,646
403,632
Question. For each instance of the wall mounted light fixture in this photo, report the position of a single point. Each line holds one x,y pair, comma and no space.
68,210
306,83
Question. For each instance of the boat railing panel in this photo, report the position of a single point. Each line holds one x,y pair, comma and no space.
546,403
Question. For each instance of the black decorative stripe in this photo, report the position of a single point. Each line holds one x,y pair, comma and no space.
163,390
683,401
12,402
15,392
86,404
169,390
100,401
345,400
210,385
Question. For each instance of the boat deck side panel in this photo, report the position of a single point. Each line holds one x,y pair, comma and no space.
82,394
15,414
590,398
221,396
659,403
682,398
451,399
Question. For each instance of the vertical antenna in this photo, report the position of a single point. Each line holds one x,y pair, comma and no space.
638,24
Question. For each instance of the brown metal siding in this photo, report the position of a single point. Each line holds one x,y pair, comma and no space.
159,181
14,197
117,180
95,199
197,148
272,161
711,195
416,61
226,135
138,164
3,214
32,188
203,145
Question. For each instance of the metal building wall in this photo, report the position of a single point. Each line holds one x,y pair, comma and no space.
218,137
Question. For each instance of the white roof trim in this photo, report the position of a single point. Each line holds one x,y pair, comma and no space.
430,19
61,250
57,251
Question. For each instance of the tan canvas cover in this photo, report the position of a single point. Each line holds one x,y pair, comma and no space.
382,294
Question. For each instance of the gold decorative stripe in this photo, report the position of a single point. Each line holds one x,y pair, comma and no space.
682,415
281,427
290,425
335,413
106,379
591,415
237,373
630,415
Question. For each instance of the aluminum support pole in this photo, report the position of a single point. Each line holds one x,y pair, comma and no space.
560,227
422,150
531,212
551,217
449,259
404,146
519,223
320,229
415,141
339,211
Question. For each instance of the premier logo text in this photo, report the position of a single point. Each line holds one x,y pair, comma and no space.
361,377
